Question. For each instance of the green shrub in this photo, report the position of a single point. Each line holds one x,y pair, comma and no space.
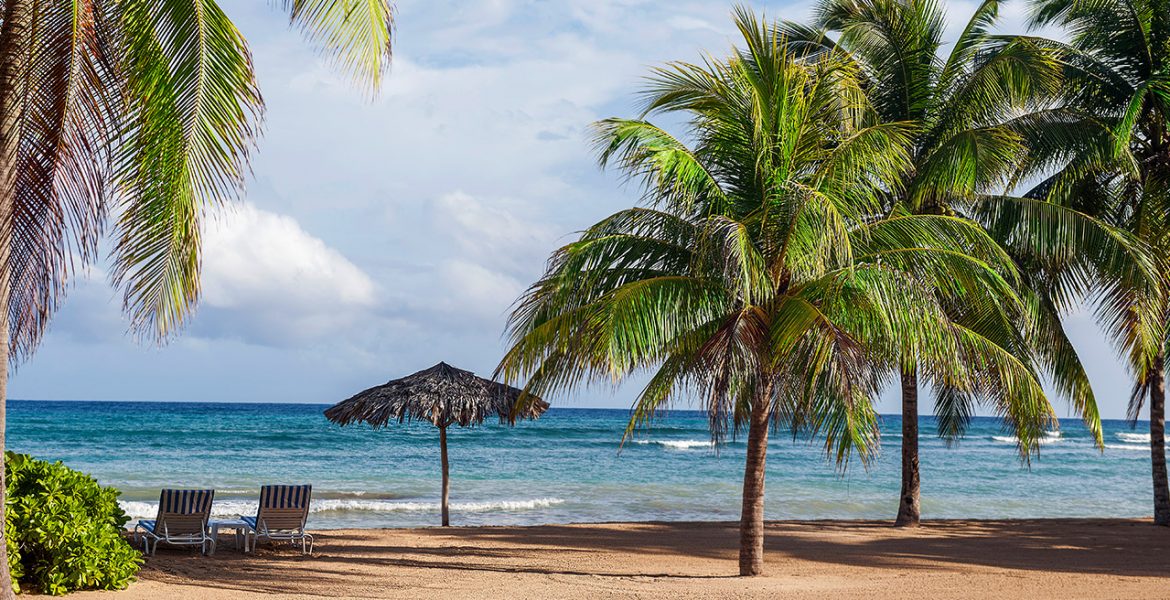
64,530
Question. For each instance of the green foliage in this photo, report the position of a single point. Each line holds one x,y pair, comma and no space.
1109,139
982,123
766,271
64,530
135,118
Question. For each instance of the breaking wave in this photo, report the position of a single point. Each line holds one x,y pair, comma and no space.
679,444
1135,438
234,508
1049,438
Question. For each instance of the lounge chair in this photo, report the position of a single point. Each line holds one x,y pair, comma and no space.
281,516
182,521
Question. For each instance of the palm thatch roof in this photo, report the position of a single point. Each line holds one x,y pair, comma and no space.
442,395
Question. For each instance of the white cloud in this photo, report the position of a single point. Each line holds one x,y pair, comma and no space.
475,290
269,278
492,233
357,257
685,23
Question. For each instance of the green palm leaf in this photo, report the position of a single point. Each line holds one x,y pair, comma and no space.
355,34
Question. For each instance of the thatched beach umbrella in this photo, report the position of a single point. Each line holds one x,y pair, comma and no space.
442,395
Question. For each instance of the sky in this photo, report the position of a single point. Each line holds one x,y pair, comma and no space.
378,237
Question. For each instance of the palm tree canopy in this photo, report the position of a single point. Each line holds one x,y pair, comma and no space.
764,266
136,116
975,110
1110,146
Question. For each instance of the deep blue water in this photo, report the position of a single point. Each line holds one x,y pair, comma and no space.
565,467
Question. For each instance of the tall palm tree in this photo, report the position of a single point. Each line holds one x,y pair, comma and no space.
964,106
1110,138
764,275
139,112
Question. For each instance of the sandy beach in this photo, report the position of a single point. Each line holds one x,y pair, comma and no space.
1057,558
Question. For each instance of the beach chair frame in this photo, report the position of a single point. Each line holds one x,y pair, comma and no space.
283,512
182,521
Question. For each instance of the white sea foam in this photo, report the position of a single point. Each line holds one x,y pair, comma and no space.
679,444
1133,447
231,508
219,508
1049,438
395,506
1135,438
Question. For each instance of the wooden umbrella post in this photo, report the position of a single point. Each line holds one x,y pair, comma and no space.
446,478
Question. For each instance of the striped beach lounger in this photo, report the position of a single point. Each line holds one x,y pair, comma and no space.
281,516
182,521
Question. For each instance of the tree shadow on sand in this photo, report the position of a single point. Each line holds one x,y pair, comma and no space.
352,563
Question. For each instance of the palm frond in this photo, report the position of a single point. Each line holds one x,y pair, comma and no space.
67,112
355,34
193,110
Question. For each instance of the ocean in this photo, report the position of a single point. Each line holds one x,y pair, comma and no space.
565,467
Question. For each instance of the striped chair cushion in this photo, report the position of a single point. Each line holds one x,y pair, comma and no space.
148,524
185,502
251,521
285,496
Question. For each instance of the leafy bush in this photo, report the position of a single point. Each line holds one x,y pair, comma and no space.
64,530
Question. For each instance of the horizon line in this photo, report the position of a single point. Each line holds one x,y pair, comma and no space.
553,407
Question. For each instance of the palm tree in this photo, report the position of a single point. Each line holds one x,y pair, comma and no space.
965,106
764,275
1110,138
143,110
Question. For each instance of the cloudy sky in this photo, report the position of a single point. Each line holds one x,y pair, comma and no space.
378,238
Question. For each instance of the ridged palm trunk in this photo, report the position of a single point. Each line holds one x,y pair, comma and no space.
6,592
1160,138
1158,441
13,34
751,523
909,503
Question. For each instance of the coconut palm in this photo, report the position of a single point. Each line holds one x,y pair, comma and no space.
140,113
965,106
1110,139
764,275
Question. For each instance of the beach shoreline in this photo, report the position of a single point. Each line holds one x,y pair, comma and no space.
1034,558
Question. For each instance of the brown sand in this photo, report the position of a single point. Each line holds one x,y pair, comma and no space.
1062,558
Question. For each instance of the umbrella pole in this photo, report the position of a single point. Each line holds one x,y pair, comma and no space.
446,479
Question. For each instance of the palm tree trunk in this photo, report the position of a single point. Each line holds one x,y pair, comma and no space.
13,34
6,591
446,479
1158,441
751,523
909,505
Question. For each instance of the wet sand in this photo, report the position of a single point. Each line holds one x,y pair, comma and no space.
1055,558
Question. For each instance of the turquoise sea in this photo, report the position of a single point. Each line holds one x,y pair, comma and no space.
566,467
